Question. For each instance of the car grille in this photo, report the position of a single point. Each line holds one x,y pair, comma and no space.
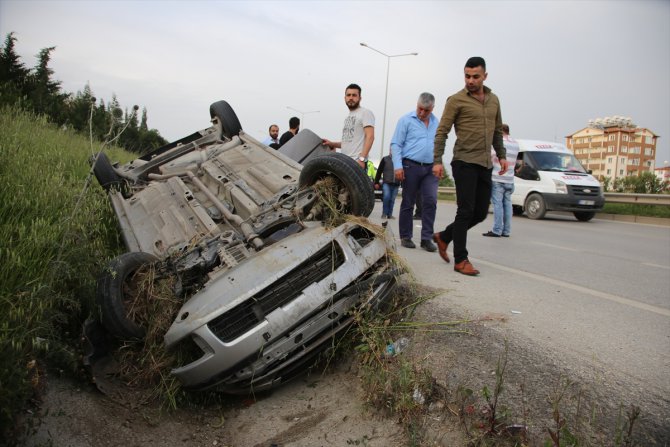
248,314
584,191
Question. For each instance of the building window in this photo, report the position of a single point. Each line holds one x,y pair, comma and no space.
612,137
624,149
623,160
609,160
610,148
625,137
609,171
634,161
648,151
649,164
649,140
620,171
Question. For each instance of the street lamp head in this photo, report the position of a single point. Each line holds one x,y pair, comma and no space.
414,54
363,44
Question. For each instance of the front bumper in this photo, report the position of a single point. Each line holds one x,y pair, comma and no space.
287,297
571,202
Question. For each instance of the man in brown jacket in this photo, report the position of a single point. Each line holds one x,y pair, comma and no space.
474,112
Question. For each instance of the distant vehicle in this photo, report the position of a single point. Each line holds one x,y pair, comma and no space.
550,178
244,229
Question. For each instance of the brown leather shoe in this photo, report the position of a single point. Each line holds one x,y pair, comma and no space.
466,268
441,247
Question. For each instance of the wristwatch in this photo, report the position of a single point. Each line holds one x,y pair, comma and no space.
363,159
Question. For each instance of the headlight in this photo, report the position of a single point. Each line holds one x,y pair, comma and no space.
561,187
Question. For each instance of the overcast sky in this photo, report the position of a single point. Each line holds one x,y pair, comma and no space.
554,64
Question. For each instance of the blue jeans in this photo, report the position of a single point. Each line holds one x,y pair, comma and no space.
418,178
501,198
389,193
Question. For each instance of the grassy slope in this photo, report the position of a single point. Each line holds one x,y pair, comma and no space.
54,236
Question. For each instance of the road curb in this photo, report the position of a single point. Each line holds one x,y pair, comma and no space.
634,219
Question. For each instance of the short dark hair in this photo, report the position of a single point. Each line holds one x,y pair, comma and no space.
476,61
354,86
294,122
505,128
271,126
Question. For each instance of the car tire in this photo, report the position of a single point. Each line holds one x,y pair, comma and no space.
105,173
349,174
535,206
111,298
230,124
584,216
517,210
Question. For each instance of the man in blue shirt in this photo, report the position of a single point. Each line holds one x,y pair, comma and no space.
412,152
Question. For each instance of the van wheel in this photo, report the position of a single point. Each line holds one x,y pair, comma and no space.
230,124
584,216
517,210
535,207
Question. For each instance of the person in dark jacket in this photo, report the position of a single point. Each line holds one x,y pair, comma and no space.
294,128
388,185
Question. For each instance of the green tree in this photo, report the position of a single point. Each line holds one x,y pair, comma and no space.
79,109
143,123
13,73
45,94
645,183
607,183
648,183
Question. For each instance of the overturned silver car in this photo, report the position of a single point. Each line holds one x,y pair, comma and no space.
268,277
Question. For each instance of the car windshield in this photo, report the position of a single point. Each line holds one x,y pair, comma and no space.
557,161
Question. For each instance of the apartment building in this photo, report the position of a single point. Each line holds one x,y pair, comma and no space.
614,147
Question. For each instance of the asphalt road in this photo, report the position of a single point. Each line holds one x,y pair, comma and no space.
595,294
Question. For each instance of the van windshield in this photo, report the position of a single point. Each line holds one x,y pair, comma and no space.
556,161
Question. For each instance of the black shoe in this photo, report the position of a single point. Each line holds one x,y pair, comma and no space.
490,234
407,243
428,245
505,235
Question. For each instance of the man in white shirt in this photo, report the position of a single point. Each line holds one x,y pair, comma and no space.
503,187
358,133
273,138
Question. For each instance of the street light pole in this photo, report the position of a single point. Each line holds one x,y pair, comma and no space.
386,93
302,114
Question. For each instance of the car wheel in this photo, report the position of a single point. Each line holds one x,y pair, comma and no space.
584,216
354,189
105,173
113,289
535,207
230,125
517,210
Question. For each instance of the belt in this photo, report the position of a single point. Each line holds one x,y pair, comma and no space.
409,160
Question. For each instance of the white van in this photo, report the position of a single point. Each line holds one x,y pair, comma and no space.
548,177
